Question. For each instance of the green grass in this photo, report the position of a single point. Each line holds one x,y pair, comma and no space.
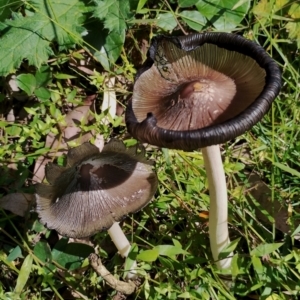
171,234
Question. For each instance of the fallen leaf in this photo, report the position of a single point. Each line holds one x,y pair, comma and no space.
17,203
262,194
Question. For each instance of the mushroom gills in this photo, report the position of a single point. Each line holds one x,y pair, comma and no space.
95,191
195,89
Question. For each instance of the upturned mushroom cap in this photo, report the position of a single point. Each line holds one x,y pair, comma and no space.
95,189
200,90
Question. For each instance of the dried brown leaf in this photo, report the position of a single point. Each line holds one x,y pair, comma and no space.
17,203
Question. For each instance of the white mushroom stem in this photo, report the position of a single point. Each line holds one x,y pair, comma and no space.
119,239
218,213
122,244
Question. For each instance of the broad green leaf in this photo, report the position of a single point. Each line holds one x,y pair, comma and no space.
170,250
140,5
166,21
30,37
6,7
113,45
176,243
148,255
114,13
27,83
15,253
265,249
43,76
24,274
42,251
187,3
70,256
107,47
18,44
229,249
42,93
13,130
257,265
11,265
62,22
221,13
194,19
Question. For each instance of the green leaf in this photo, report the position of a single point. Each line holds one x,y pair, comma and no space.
265,249
229,249
185,295
258,267
42,251
286,169
187,3
107,47
293,28
24,274
148,255
15,253
113,45
13,130
6,7
70,256
64,76
266,10
27,83
296,231
166,21
140,5
131,259
194,19
42,93
170,250
166,263
43,76
115,13
30,37
221,13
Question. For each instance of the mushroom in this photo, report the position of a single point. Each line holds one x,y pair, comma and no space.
96,190
198,91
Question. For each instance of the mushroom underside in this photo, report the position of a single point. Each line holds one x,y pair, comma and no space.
196,89
91,194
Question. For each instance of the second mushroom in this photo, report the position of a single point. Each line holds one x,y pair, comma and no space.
198,91
94,191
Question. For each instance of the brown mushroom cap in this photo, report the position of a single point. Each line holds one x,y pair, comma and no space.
95,189
199,90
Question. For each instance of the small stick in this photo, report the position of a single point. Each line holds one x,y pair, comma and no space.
126,288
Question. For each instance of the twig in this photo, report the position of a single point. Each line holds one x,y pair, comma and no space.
126,288
175,17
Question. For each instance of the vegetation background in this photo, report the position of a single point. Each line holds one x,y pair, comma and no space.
59,59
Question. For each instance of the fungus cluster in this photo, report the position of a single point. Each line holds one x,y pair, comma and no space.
198,91
195,91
